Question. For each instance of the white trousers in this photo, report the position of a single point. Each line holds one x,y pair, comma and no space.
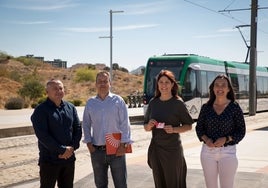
219,162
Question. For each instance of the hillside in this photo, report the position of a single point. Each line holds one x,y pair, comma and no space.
123,83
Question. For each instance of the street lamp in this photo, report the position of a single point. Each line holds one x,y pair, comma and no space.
111,40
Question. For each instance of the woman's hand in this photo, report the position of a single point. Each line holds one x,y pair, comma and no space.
220,142
169,129
150,125
208,141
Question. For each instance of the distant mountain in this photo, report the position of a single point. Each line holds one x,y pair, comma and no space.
138,71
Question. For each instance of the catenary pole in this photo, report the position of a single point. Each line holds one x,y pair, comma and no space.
253,58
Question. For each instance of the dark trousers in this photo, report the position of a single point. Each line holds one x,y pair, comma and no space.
63,174
168,166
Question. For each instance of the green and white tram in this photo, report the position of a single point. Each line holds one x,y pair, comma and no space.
195,73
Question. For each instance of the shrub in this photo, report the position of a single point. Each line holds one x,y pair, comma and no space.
42,99
139,82
35,104
28,61
32,89
76,102
14,103
125,99
123,69
84,74
4,56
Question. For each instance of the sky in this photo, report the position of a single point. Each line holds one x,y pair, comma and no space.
78,31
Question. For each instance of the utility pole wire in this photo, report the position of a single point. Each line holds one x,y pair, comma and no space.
217,12
243,9
253,50
221,12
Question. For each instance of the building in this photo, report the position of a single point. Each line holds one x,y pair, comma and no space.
56,63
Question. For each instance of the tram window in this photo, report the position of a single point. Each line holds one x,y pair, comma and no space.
207,78
265,87
204,84
243,86
189,85
211,76
260,88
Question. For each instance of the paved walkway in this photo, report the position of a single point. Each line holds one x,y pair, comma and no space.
252,154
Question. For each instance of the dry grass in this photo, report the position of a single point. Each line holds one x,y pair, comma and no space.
123,83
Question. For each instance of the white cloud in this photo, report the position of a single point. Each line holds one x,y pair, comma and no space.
38,5
95,30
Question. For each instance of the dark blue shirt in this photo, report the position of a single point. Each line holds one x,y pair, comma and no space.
56,128
229,123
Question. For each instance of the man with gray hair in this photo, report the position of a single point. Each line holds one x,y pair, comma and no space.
58,130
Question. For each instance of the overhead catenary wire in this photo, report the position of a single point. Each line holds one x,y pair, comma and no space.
222,12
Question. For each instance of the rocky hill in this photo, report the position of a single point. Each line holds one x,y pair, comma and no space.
123,83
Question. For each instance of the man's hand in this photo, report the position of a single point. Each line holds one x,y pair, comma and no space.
69,151
121,150
90,148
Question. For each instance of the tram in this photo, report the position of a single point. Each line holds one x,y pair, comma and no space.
194,74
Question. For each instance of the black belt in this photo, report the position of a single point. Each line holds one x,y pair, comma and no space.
100,147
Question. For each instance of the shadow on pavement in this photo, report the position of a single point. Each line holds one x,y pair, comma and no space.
262,129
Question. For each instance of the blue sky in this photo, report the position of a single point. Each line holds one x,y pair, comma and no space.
70,29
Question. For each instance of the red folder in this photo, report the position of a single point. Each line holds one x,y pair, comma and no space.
113,141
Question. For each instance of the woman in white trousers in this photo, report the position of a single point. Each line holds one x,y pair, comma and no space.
220,126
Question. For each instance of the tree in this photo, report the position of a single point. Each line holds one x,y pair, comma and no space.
32,89
115,66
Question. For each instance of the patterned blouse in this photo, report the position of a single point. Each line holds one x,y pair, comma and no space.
229,123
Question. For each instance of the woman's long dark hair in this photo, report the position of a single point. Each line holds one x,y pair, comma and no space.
171,77
230,94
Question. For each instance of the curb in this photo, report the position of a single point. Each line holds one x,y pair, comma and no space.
16,131
28,130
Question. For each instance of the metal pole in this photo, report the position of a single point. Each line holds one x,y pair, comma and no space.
111,45
253,58
111,41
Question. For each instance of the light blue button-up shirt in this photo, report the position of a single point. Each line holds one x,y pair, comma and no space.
105,116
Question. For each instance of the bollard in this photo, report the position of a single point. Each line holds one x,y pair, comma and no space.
129,101
135,101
